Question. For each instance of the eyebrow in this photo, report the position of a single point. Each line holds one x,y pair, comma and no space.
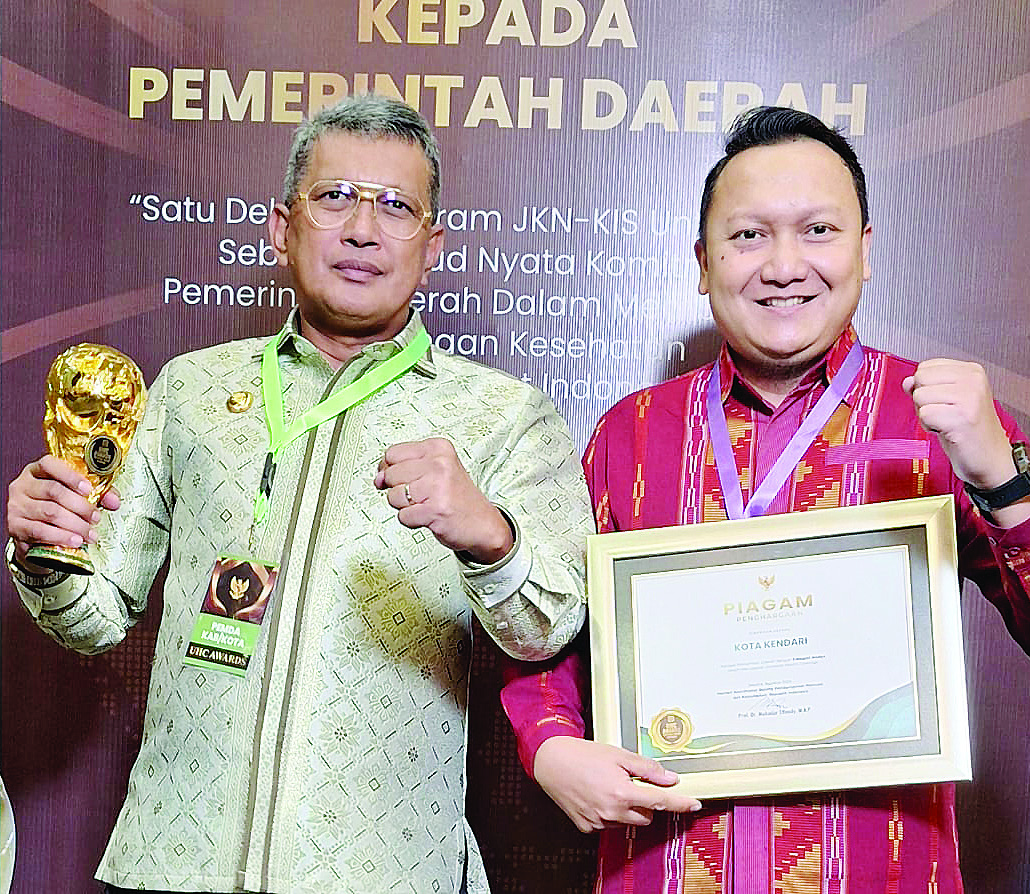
744,215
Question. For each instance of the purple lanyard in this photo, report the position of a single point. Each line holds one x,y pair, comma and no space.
787,461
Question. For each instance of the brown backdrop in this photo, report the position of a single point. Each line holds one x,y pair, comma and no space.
936,97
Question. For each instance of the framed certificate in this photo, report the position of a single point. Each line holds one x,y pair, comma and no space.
788,653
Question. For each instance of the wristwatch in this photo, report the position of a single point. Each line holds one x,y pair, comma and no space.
1014,489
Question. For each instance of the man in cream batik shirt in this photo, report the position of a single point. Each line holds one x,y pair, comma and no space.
379,494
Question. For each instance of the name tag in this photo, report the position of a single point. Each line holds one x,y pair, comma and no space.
225,634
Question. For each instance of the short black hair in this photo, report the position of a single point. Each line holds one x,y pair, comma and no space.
769,125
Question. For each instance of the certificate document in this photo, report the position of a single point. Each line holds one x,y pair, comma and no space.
788,653
784,638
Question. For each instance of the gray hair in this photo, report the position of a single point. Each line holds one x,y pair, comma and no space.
371,116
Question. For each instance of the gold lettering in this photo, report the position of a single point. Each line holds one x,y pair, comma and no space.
550,36
593,89
489,104
386,86
460,14
282,81
510,20
324,89
655,107
551,103
145,85
372,15
419,15
696,104
736,97
443,85
613,23
183,93
222,98
855,109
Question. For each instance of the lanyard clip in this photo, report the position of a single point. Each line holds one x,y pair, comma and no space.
267,475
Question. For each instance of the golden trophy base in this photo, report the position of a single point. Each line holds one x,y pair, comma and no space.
60,558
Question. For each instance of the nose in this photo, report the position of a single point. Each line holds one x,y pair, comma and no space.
785,263
361,227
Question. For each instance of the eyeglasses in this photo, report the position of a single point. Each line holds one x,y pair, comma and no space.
331,203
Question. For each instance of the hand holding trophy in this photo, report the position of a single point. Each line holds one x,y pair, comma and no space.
95,399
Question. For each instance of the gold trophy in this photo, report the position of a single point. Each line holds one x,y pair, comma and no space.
95,397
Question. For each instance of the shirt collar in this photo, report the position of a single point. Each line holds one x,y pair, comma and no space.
289,341
823,372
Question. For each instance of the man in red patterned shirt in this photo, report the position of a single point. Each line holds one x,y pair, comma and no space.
783,251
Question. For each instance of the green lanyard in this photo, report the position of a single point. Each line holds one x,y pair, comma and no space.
279,437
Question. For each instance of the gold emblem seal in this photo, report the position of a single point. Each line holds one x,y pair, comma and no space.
671,730
239,402
102,454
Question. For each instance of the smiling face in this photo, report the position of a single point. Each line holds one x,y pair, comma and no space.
355,282
785,258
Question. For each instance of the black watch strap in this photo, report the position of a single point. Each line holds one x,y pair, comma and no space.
1012,490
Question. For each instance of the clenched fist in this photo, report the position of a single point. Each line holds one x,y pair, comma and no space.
426,482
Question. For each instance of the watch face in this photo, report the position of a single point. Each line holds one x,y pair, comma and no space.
1021,456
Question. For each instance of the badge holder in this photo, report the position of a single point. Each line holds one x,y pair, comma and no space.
225,634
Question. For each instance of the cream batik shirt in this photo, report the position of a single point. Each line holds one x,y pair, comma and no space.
337,764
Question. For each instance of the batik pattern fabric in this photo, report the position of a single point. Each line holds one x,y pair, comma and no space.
650,464
337,764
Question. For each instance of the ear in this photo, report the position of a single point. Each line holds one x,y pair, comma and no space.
278,231
434,246
867,235
702,262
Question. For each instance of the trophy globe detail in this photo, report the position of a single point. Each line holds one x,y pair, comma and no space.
95,397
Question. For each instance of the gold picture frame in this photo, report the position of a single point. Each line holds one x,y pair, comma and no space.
801,652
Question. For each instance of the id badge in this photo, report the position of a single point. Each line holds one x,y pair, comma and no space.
226,631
